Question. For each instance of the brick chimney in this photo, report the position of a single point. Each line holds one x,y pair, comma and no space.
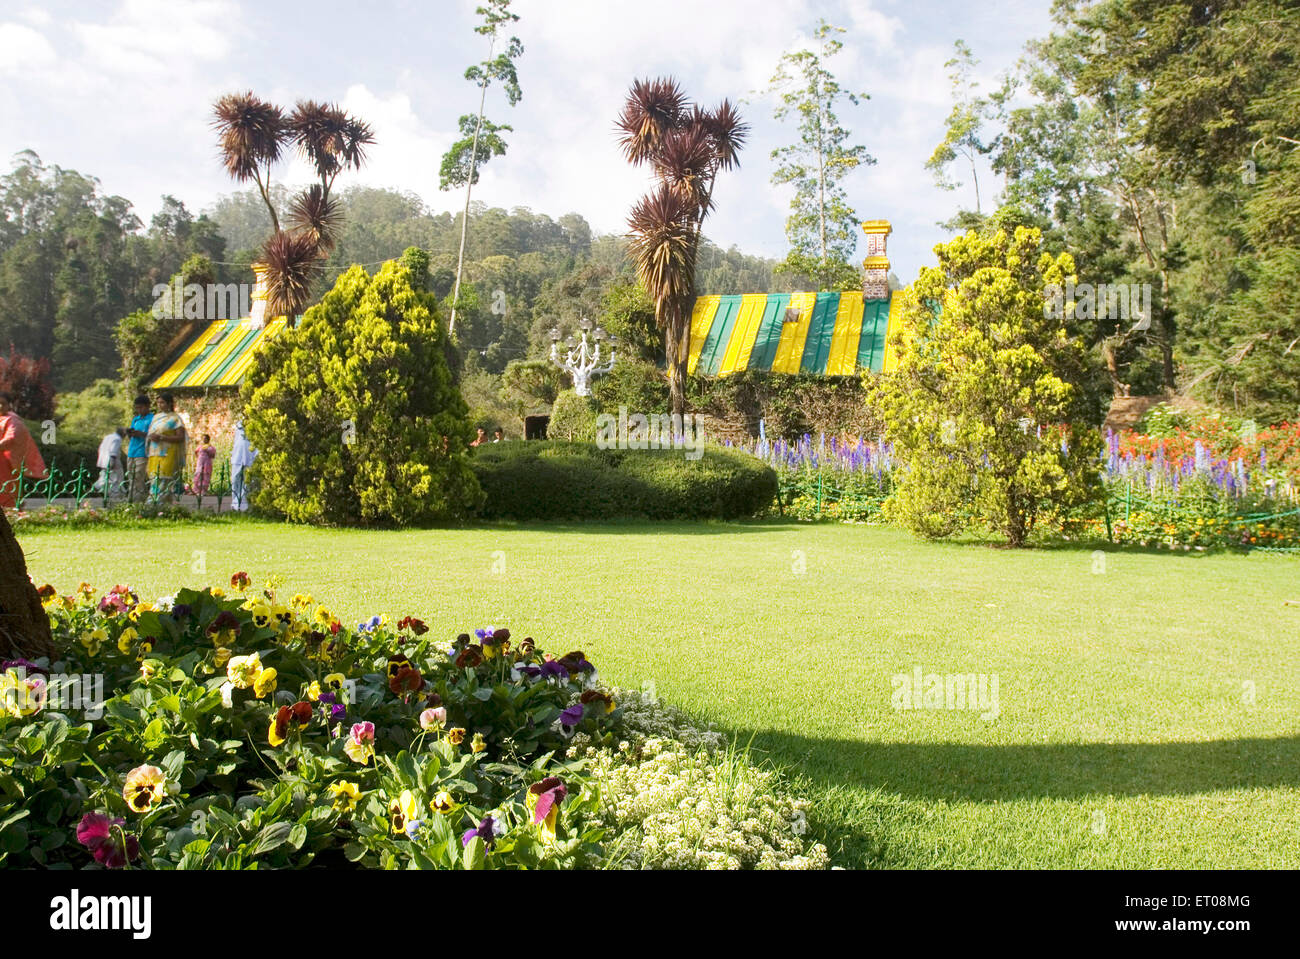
875,277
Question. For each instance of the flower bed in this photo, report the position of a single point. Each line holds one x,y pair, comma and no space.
225,729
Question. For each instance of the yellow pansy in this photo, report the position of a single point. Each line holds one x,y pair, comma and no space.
264,683
402,810
443,802
346,795
242,671
128,637
144,787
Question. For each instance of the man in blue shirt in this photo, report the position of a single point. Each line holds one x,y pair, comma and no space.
137,457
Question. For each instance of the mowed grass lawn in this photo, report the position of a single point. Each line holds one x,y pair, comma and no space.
1149,712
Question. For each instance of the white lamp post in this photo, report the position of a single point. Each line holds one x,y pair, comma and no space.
583,361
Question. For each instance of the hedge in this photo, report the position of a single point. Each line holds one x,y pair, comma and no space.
560,480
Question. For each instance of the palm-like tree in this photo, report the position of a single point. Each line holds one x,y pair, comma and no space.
253,135
686,148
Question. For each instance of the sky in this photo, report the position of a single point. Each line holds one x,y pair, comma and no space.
122,90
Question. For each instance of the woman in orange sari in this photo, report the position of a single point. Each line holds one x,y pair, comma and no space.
19,456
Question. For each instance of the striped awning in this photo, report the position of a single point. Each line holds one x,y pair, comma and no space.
219,355
829,334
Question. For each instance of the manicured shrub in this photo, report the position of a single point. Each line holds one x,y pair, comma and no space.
356,414
638,386
556,480
573,417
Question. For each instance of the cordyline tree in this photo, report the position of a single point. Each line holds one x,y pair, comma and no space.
254,135
686,148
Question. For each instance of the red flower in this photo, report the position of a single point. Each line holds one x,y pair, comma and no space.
95,832
469,657
240,580
414,625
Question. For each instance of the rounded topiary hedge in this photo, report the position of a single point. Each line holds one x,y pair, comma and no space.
561,480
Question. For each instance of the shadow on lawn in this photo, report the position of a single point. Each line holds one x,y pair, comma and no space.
964,772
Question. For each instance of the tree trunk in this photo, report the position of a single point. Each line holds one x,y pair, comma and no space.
24,627
676,353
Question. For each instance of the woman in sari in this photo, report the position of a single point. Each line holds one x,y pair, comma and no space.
166,450
19,457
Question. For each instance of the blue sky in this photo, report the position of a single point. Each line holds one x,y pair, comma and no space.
122,90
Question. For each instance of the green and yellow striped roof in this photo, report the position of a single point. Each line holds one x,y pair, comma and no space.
829,334
219,355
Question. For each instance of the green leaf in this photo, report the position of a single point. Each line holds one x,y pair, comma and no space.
354,851
153,734
475,854
297,835
270,837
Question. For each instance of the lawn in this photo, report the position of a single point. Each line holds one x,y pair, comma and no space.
1149,705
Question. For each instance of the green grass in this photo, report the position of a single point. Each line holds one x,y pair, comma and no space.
1125,737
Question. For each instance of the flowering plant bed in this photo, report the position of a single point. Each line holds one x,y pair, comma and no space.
228,729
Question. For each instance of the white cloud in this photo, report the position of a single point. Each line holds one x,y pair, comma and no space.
124,93
23,49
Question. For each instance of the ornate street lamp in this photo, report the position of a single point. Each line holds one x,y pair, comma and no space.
582,361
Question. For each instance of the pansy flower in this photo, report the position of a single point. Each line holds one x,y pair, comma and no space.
414,625
434,718
402,810
242,671
286,719
370,625
486,830
95,832
360,747
571,716
552,669
575,662
443,802
456,735
145,785
346,795
282,614
469,657
478,743
239,581
262,613
126,639
597,696
265,683
93,640
544,800
407,681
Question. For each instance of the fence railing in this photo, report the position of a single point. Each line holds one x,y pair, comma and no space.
82,485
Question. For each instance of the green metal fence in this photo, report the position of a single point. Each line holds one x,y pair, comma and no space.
82,485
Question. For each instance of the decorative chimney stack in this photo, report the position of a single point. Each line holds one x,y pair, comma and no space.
875,279
259,296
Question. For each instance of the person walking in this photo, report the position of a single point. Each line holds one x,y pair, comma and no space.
166,442
241,457
19,457
137,451
203,459
111,471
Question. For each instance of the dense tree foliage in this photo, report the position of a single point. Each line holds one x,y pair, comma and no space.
988,406
74,261
1159,141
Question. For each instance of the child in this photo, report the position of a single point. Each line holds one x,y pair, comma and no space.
203,458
